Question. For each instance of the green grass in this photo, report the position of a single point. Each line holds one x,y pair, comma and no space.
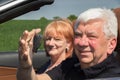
12,30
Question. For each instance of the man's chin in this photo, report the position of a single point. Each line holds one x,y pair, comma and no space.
85,60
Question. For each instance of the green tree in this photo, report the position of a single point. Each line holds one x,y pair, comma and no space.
56,17
43,19
72,17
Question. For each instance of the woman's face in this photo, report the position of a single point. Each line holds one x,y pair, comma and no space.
55,44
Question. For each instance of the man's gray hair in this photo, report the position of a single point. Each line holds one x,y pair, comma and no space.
110,26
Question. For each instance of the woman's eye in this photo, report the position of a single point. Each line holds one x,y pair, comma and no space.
57,39
48,38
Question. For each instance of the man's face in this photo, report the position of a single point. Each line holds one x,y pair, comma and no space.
90,43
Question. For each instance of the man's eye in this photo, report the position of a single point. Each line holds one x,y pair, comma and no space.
78,35
92,36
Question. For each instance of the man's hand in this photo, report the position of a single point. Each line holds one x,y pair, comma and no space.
25,48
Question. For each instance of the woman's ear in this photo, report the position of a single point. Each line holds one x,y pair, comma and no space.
68,44
112,45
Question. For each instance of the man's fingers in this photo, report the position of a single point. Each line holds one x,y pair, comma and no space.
26,42
22,47
32,34
25,47
25,35
37,30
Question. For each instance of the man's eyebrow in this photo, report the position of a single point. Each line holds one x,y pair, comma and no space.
92,32
77,31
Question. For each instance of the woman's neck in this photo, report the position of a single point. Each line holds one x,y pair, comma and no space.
56,60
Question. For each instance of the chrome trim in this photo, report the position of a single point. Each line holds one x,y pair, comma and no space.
11,4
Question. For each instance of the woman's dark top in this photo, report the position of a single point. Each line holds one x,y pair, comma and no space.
43,68
70,70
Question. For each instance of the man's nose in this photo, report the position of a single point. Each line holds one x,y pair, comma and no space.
83,41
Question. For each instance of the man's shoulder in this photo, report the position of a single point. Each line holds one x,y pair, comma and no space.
69,63
112,78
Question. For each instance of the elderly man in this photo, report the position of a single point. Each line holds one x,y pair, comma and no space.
94,42
117,12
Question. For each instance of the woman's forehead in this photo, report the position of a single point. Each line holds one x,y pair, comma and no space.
55,34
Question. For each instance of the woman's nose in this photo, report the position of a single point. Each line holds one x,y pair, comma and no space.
52,41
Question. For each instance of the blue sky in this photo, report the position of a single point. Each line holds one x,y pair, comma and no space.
64,8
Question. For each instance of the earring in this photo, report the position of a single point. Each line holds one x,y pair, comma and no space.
66,50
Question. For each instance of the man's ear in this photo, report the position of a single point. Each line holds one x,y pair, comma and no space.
112,45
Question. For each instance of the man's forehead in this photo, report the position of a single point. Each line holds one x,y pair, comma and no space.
93,31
